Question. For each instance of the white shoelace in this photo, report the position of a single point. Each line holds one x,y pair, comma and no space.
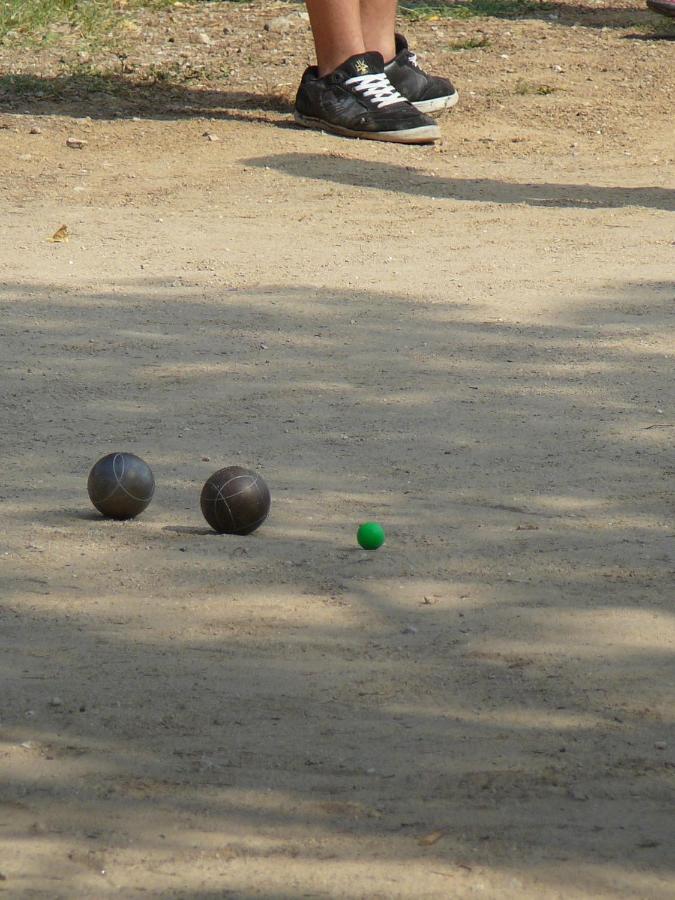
377,88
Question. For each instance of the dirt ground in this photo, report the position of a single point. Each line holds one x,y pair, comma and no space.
470,343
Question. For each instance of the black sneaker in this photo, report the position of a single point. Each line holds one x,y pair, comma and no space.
426,92
358,100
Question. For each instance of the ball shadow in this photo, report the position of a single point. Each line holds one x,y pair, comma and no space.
190,529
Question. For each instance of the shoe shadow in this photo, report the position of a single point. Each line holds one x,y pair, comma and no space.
89,515
190,529
400,179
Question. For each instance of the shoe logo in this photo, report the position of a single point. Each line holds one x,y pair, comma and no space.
362,67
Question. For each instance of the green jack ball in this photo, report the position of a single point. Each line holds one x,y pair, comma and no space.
370,535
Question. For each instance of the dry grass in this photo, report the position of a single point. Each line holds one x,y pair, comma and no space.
38,21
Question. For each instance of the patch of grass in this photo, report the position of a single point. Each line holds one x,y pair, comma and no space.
31,21
470,9
174,73
24,86
527,87
78,83
475,43
659,27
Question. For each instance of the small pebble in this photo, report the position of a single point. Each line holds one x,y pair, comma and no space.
660,745
279,24
35,130
76,143
409,629
56,701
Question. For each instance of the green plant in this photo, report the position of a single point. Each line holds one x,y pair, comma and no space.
475,43
31,21
26,86
527,87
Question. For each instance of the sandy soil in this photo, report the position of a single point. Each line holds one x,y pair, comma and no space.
471,344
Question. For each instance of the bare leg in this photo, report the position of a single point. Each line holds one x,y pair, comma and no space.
336,26
378,18
343,28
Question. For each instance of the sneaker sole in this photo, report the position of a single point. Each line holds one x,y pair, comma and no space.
425,134
437,104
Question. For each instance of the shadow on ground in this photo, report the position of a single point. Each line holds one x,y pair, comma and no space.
401,179
498,673
562,14
109,96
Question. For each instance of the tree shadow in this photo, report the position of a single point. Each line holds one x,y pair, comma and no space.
561,14
401,179
109,96
493,681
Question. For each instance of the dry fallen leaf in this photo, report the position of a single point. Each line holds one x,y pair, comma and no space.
433,838
60,236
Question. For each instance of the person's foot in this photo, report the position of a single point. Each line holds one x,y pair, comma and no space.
427,93
358,100
665,7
